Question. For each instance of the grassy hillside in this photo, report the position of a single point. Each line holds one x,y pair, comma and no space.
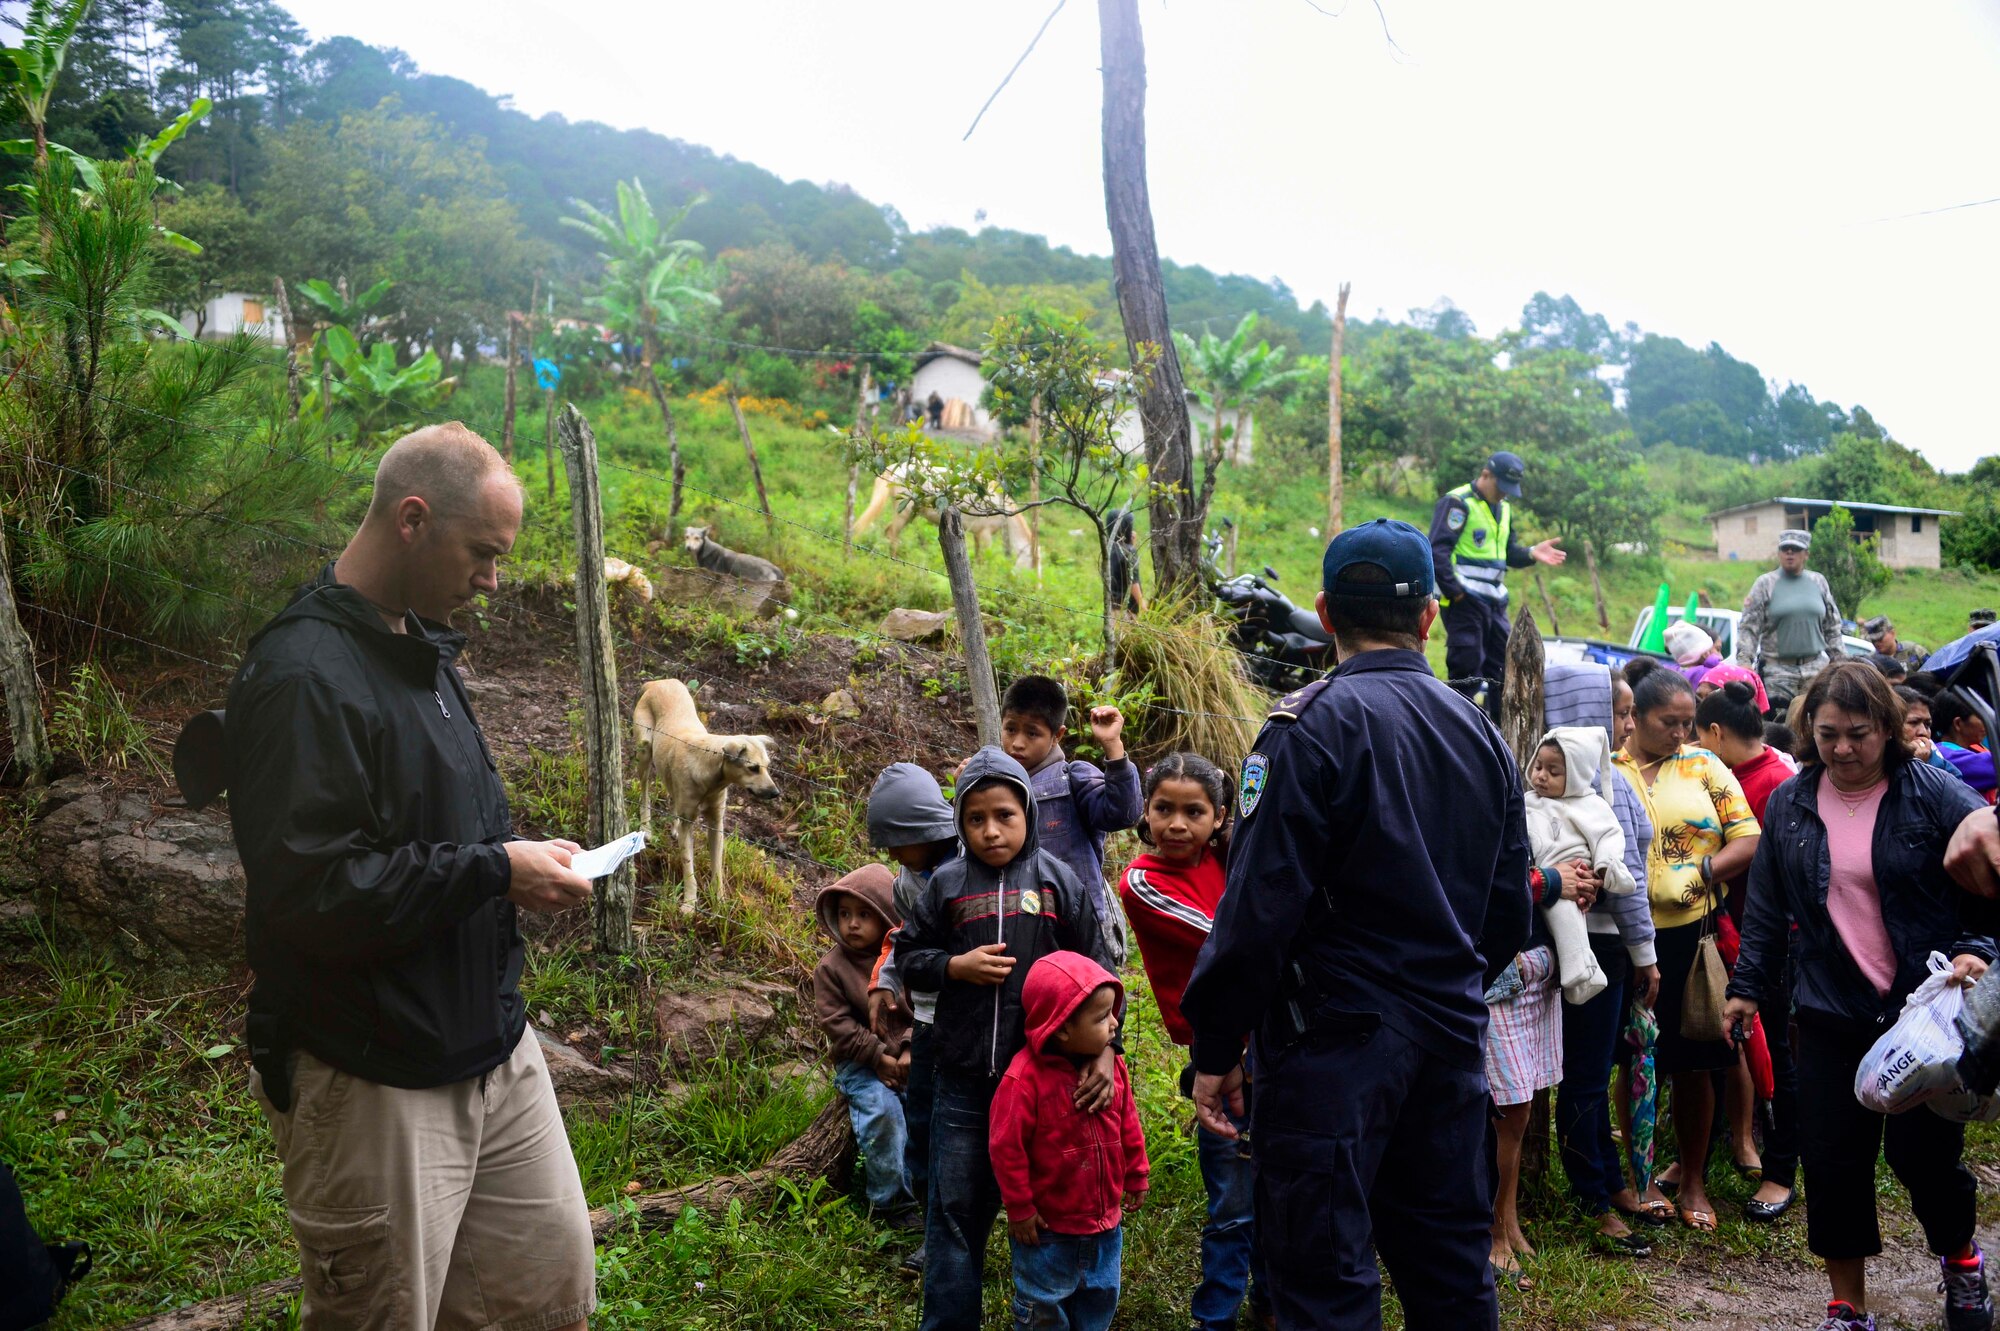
1279,509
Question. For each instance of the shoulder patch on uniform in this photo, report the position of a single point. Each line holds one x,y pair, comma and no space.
1297,701
1454,517
1256,771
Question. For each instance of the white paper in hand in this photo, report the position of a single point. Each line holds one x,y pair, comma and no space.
601,861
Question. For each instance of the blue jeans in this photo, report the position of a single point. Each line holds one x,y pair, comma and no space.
877,1115
917,1109
1067,1282
1590,1034
1229,1262
964,1200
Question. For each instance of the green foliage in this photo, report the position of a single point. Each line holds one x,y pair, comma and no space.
978,307
1230,375
1974,538
160,487
33,67
1179,655
652,279
91,721
374,391
1847,562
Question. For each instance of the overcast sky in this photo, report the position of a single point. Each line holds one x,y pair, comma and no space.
1712,171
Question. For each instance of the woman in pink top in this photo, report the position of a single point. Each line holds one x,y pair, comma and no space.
1853,854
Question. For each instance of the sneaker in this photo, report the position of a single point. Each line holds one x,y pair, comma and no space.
1967,1306
1840,1316
909,1220
913,1263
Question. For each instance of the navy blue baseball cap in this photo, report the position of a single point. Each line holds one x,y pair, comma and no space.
1394,546
1508,469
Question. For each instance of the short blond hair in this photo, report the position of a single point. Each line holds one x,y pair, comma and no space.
445,465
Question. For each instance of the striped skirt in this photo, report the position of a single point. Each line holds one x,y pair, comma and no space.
1524,1052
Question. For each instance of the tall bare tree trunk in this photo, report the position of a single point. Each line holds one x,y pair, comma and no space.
756,472
1596,586
854,457
18,680
1336,485
971,628
291,349
1142,300
507,411
603,720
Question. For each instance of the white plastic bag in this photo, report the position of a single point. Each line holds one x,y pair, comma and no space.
1963,1106
1916,1059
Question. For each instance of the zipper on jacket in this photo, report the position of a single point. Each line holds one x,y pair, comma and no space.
440,702
999,936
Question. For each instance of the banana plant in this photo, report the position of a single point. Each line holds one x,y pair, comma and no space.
32,68
334,306
374,389
90,173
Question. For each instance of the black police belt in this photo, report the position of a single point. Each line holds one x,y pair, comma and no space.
1487,582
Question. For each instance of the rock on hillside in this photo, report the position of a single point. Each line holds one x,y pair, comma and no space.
160,885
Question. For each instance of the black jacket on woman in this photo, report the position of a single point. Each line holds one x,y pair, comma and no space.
1921,905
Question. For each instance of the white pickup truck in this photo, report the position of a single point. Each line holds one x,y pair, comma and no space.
1719,624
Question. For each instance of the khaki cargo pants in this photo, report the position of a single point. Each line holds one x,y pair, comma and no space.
457,1206
1788,677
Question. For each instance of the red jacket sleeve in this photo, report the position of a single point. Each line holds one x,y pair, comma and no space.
1137,1167
1008,1138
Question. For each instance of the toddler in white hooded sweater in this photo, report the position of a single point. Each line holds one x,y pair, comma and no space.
1570,818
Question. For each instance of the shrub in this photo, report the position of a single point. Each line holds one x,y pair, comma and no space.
1173,652
92,722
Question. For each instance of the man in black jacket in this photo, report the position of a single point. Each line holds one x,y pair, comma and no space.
426,1171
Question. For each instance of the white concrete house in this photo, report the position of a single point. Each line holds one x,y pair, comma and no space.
953,374
1907,537
234,311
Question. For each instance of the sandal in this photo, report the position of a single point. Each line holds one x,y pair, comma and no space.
1654,1214
1514,1276
1622,1245
1701,1221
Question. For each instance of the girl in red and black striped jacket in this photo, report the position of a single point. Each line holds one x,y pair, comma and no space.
1170,895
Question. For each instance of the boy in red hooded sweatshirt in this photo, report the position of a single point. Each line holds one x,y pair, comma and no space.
1067,1176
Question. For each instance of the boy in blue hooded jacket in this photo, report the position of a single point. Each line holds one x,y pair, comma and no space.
979,924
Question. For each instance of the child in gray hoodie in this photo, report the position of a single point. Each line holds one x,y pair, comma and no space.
909,818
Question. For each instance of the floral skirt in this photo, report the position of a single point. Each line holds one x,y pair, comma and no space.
1524,1051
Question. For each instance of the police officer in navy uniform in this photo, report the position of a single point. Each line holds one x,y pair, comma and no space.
1472,547
1377,884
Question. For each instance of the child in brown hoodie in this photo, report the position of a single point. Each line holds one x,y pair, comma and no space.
858,910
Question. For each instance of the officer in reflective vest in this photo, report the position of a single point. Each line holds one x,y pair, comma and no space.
1472,547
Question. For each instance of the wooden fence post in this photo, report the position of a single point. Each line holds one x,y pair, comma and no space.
603,719
549,441
1521,697
1035,484
854,457
1555,625
1596,586
291,349
1336,489
971,628
756,472
507,411
18,681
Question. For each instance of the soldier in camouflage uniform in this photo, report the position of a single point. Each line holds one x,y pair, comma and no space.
1790,627
1881,631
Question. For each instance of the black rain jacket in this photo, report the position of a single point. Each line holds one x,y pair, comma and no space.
1922,907
370,817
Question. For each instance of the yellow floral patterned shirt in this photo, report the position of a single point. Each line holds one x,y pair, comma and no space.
1697,807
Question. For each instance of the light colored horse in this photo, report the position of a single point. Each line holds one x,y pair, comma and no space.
891,491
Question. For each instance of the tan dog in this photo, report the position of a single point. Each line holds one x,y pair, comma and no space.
699,769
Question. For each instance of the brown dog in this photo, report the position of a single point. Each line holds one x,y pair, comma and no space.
699,769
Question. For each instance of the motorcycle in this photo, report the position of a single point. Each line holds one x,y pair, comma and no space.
1283,647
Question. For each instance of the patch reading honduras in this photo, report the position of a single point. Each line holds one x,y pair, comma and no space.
1454,518
1256,770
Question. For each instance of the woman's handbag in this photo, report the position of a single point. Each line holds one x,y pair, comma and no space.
1707,984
